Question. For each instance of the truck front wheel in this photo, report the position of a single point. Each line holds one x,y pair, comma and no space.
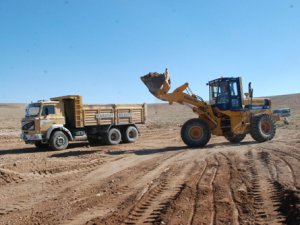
59,140
113,137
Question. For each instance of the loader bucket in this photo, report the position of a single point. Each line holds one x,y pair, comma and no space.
157,83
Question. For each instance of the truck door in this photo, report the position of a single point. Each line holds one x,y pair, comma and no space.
46,119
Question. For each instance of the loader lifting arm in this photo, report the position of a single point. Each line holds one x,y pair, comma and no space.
159,85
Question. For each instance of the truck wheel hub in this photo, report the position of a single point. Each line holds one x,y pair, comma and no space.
60,141
114,136
132,134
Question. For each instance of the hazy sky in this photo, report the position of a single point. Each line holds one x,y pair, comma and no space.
100,48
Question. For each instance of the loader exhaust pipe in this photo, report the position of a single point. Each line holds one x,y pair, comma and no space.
157,83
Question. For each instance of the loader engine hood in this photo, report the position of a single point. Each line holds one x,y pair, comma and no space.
157,83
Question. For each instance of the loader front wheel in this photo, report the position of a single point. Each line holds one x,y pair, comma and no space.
262,128
235,138
195,133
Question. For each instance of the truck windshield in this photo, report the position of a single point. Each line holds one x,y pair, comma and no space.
33,109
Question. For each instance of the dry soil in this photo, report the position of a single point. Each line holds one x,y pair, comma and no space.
157,180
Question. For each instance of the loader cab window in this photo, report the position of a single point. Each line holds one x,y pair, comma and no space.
213,94
218,92
225,93
48,110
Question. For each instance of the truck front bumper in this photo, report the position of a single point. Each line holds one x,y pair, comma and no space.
29,138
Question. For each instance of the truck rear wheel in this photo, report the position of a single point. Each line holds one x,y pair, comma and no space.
59,140
113,137
262,128
130,135
195,133
235,138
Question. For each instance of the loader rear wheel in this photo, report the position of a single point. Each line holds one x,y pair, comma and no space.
235,138
262,128
130,135
195,133
59,141
113,137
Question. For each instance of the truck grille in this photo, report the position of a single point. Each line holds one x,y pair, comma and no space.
28,126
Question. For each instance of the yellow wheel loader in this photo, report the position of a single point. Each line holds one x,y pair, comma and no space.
227,114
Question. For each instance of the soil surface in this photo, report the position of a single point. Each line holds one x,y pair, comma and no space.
157,180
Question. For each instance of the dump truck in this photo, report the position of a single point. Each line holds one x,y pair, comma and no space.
228,113
63,119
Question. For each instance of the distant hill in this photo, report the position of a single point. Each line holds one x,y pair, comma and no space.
291,101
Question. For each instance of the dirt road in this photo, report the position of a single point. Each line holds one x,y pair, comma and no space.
155,181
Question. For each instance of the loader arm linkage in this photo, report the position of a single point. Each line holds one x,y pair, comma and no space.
159,85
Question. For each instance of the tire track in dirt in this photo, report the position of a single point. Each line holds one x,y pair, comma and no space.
194,204
182,207
206,199
61,171
153,202
283,164
155,199
194,185
147,171
239,187
286,198
10,177
46,185
226,209
264,194
207,194
290,159
293,155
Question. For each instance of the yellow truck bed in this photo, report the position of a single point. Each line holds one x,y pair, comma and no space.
79,115
113,114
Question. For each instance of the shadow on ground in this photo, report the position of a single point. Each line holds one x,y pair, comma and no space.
35,150
73,153
170,149
227,144
147,151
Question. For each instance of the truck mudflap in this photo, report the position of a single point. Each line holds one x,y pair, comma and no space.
58,127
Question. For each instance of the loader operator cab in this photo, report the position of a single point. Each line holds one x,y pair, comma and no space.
226,93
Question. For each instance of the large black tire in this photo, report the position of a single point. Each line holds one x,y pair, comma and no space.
235,138
113,137
59,141
130,135
195,133
262,128
39,145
